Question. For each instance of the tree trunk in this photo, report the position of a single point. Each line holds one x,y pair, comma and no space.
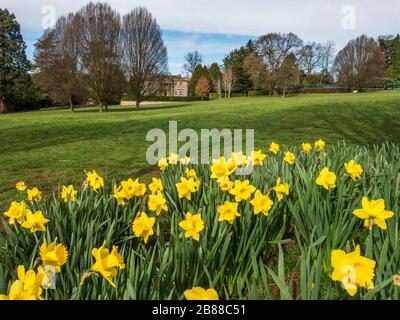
275,92
137,104
106,107
284,93
71,104
3,105
202,98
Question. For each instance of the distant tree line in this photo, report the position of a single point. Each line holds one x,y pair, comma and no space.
276,62
95,55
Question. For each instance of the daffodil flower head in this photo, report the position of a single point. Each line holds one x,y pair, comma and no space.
107,262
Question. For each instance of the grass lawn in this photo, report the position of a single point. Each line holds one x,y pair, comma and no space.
50,148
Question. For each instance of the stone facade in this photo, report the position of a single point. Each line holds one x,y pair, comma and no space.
170,86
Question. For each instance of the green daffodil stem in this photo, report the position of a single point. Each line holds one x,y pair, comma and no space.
369,249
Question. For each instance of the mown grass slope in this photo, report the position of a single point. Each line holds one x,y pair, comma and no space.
50,148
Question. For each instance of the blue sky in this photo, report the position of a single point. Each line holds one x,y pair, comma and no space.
214,27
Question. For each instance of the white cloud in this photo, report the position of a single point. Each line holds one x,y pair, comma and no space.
311,19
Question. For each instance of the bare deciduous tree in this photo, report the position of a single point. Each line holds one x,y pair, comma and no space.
57,63
100,30
289,74
218,86
361,62
310,57
328,51
145,55
228,81
193,59
273,49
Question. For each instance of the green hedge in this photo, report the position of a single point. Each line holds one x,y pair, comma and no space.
213,96
254,93
165,98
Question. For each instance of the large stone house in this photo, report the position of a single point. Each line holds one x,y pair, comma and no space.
169,86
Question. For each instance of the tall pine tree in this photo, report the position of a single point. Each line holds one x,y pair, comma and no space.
235,61
15,82
391,47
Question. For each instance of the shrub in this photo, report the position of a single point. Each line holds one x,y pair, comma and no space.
213,96
254,93
165,98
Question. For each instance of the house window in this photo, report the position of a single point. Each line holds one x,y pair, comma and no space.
180,93
175,93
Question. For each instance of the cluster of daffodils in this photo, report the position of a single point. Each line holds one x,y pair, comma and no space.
18,212
351,269
128,189
30,284
29,219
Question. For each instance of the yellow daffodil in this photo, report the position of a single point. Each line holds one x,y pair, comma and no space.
184,161
190,173
261,203
156,185
162,164
319,145
274,148
257,158
353,169
186,187
326,179
306,147
17,292
55,255
68,193
20,186
242,190
198,293
34,195
228,212
133,188
35,222
107,262
157,203
220,168
173,158
373,212
239,159
281,189
32,281
143,226
17,211
225,184
119,195
289,157
352,270
193,225
94,180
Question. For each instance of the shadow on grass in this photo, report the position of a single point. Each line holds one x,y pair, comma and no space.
133,109
355,124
